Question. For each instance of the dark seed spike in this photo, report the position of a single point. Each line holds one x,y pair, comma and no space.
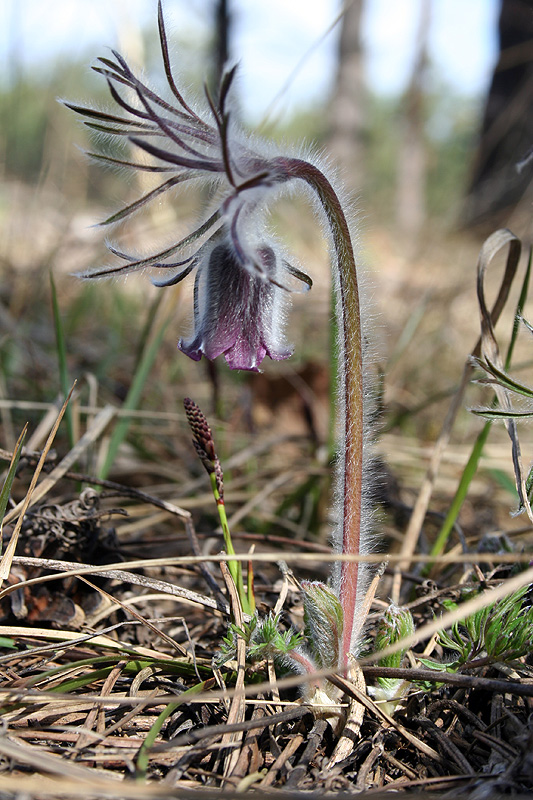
203,439
147,198
126,106
225,85
173,158
168,67
167,129
200,427
125,75
130,164
122,131
221,123
175,278
112,75
146,262
299,275
93,113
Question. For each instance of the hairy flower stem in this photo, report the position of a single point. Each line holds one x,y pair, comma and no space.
350,458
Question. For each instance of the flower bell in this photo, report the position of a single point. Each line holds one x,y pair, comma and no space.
238,312
241,288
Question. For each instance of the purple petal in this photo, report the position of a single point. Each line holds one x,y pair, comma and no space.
236,311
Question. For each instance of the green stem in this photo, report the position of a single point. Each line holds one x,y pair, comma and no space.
235,567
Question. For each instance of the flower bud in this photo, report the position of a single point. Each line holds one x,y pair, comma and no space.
323,622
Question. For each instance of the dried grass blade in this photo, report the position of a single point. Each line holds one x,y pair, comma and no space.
40,760
21,508
73,639
10,477
352,691
73,569
38,437
144,751
472,465
490,248
99,424
86,734
135,614
490,353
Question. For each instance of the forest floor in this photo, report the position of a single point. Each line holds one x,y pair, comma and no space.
114,604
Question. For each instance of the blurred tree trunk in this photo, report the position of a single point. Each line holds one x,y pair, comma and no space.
348,105
222,38
412,157
502,171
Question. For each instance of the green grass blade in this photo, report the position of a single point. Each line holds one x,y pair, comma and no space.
496,414
460,494
505,481
144,751
131,402
475,456
64,379
501,378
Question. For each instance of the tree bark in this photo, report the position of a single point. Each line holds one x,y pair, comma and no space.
502,172
348,105
412,157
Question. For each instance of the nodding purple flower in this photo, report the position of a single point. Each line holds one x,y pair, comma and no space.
237,311
242,279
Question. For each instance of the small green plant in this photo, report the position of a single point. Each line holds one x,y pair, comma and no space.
500,632
395,625
263,640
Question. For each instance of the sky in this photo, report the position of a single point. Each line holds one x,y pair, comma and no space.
286,53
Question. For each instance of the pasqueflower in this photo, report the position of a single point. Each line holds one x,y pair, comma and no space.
242,279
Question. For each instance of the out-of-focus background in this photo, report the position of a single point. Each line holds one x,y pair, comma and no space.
425,107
